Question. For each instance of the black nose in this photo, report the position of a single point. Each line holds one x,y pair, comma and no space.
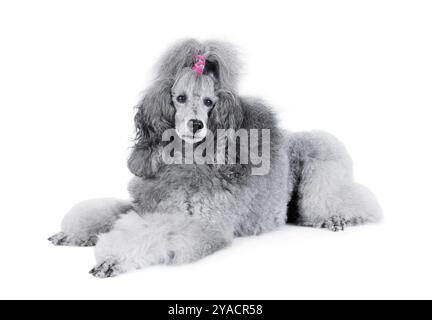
195,125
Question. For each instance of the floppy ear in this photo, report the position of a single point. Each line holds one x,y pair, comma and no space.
227,112
155,114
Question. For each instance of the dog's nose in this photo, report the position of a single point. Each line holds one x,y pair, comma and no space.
195,125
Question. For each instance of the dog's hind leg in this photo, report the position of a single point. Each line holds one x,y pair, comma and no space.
326,194
86,220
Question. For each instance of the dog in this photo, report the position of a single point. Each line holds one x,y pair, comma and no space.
182,211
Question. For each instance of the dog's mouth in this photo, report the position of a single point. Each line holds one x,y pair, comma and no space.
189,135
189,138
191,131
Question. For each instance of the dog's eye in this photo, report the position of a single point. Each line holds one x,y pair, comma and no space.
181,98
208,102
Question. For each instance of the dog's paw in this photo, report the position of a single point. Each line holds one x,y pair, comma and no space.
107,269
335,223
62,239
58,239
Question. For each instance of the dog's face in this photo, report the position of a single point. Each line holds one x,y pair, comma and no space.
193,97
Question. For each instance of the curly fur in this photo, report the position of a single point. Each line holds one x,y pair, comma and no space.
181,213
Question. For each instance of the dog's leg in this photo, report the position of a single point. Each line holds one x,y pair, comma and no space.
86,220
326,194
140,241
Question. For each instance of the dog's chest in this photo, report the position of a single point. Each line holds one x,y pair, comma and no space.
191,190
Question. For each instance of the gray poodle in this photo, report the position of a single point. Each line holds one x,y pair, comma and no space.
183,211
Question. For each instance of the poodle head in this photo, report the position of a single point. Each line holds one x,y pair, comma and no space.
188,101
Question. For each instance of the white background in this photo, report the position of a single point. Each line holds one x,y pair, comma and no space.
72,71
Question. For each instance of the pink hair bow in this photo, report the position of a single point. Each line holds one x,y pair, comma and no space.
199,64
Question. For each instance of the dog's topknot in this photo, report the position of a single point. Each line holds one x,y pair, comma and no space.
221,61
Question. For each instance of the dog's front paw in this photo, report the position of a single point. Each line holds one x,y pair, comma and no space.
106,269
63,239
335,223
59,239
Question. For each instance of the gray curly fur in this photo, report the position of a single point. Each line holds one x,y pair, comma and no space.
181,213
182,55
